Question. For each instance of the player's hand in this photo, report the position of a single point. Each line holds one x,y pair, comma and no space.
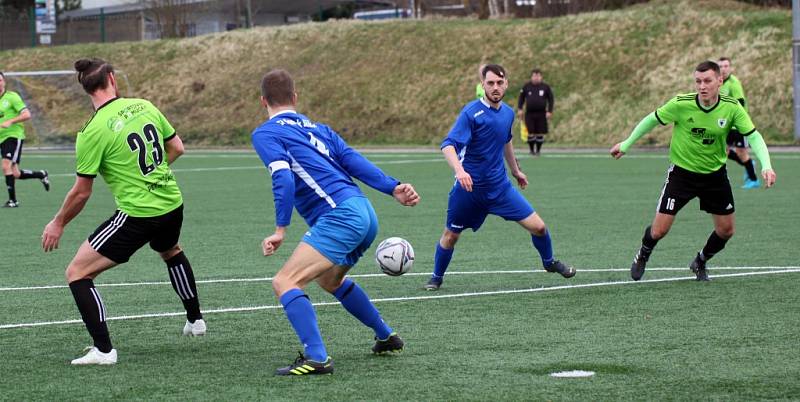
6,124
405,194
51,235
465,180
616,152
769,177
548,115
522,179
271,244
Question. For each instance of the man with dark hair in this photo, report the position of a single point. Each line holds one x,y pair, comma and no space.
537,97
737,143
312,169
475,148
12,134
132,145
701,122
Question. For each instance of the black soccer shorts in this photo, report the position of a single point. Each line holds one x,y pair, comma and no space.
713,190
736,139
11,149
536,123
122,235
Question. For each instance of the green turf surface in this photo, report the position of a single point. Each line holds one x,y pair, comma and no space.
731,339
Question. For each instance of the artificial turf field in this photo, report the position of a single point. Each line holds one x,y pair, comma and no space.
495,331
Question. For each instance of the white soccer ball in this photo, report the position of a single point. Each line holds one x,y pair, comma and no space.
394,256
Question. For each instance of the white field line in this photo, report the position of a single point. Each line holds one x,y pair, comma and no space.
409,298
381,275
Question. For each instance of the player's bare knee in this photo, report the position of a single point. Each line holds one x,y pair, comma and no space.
658,233
172,252
449,239
725,232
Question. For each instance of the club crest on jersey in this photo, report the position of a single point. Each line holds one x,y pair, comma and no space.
722,123
541,92
4,104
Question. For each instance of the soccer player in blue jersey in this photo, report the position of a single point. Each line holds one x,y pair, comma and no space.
475,148
311,168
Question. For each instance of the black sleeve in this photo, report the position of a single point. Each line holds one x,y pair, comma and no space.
521,100
550,100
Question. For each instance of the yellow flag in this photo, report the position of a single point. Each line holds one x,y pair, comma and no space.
523,131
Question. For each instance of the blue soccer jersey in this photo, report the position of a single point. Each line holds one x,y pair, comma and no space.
479,136
312,167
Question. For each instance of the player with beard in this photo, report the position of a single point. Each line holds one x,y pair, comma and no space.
475,149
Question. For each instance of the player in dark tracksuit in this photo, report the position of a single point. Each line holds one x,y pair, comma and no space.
538,100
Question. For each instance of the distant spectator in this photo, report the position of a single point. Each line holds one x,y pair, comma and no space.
538,100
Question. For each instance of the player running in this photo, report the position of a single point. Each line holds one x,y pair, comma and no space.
311,168
12,134
131,144
701,122
475,148
737,143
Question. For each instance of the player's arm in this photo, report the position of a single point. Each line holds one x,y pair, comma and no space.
745,125
521,100
645,126
276,159
513,165
450,155
73,205
551,102
364,170
174,147
24,115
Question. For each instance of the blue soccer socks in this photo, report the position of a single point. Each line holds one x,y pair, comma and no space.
441,260
544,245
301,315
357,303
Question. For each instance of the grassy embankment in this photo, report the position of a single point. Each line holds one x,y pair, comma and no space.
403,82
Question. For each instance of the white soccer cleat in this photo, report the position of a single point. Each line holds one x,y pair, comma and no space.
196,329
95,356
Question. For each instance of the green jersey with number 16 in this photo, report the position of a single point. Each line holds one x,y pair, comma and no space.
124,143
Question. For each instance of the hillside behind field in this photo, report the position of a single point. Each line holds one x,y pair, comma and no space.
403,82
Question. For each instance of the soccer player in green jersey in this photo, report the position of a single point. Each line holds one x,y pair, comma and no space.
132,145
12,134
737,143
701,122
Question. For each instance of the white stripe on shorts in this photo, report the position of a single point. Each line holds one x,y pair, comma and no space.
109,230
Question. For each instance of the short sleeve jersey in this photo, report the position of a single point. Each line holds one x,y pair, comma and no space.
698,134
479,136
733,88
11,105
124,143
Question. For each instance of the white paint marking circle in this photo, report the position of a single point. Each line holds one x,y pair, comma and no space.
572,374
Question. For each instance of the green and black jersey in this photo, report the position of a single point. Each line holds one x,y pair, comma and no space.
733,88
698,134
11,105
124,143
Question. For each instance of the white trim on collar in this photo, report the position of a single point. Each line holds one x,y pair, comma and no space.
284,112
483,100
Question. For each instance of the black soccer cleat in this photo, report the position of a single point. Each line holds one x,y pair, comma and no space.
11,204
392,344
45,180
303,366
698,266
433,284
565,270
637,268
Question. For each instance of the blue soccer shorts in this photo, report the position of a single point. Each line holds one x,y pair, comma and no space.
345,233
469,209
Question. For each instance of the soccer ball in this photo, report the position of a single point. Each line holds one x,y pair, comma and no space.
394,256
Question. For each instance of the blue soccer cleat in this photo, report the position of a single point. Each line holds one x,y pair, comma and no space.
751,184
